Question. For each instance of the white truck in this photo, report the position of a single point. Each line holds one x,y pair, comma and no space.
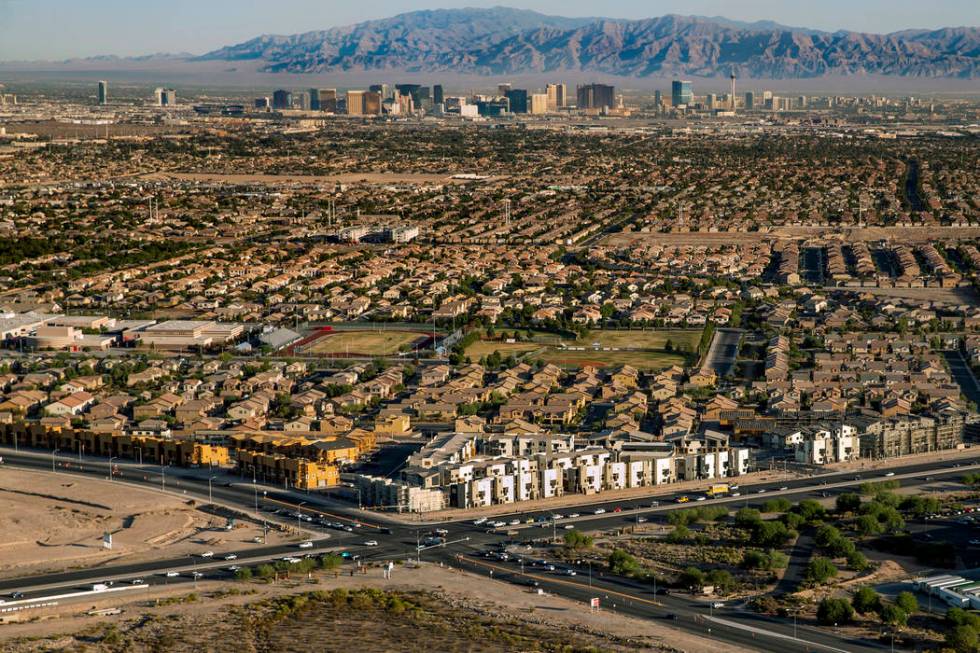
99,587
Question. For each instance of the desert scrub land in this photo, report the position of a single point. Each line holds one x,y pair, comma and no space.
367,620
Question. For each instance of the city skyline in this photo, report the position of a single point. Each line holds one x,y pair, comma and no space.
55,29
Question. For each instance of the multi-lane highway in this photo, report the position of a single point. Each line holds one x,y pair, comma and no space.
339,527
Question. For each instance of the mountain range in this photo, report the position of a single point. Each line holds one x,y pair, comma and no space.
501,40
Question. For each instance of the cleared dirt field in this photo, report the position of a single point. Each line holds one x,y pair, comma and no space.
56,521
426,609
364,343
641,360
687,339
641,349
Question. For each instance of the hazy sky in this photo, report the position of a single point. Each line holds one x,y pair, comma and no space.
57,29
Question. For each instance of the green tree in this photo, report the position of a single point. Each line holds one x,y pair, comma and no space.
692,578
721,579
622,563
866,600
576,541
848,502
833,611
819,571
747,517
868,525
907,602
245,573
963,639
771,534
857,561
778,504
810,510
893,615
331,561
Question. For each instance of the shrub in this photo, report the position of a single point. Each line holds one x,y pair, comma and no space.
834,611
576,540
331,561
963,639
622,563
848,502
245,573
810,510
778,504
907,601
868,525
819,571
721,579
679,535
857,561
747,517
893,615
692,578
265,571
771,534
866,600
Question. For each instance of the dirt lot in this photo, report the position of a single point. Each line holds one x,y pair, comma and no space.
437,609
50,523
364,343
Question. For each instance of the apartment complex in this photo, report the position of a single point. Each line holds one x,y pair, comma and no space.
466,470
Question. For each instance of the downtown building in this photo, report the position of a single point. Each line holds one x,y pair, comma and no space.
596,97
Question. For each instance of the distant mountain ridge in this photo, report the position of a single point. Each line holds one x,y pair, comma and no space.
511,41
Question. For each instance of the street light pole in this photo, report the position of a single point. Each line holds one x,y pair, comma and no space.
52,460
299,514
110,466
210,496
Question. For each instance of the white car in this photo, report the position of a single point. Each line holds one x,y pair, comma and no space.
890,474
599,511
136,581
515,522
371,543
231,556
783,489
736,494
573,515
480,522
172,574
233,568
207,554
306,545
701,498
569,527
